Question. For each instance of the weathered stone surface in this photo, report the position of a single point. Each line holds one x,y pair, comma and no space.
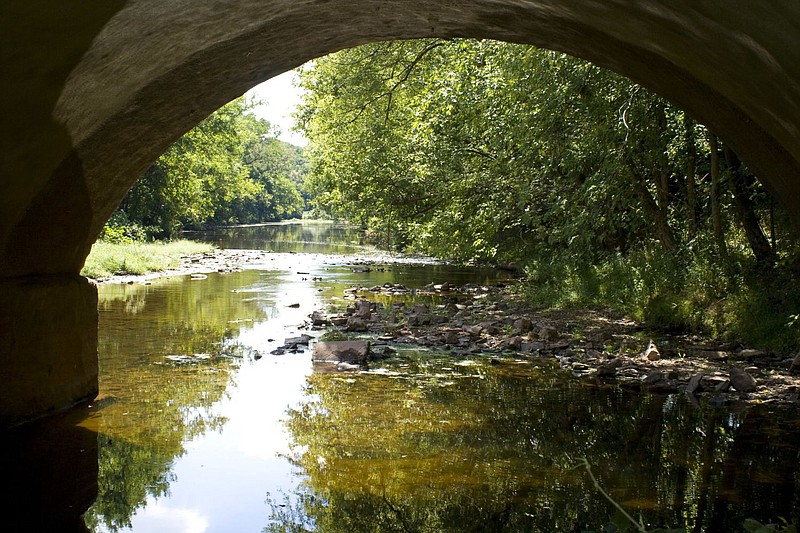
363,309
353,352
356,324
742,381
521,326
548,333
653,377
694,384
293,341
609,369
318,318
48,345
651,353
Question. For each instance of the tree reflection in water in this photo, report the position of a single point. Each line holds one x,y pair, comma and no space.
166,360
442,446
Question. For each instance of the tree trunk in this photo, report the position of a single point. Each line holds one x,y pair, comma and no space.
716,211
663,231
691,180
740,185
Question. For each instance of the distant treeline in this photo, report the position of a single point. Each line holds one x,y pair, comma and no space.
230,169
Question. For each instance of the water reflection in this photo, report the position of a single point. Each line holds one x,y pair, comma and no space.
168,351
449,446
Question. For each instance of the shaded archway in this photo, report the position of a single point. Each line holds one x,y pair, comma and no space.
94,94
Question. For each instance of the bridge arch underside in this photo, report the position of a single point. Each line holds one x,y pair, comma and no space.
94,93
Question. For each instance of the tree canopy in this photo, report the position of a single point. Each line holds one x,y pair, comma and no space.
229,169
490,151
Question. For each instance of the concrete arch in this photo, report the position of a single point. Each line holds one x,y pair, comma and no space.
93,93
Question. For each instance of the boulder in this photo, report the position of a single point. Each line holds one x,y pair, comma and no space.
355,323
363,309
419,309
651,353
318,319
742,381
353,352
451,337
547,333
653,377
521,326
294,341
609,369
694,383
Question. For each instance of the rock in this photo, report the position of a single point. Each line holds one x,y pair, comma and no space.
714,355
750,354
711,382
653,377
723,386
419,309
651,353
318,319
363,309
294,341
338,320
450,337
418,320
514,343
547,333
663,387
353,352
531,346
355,323
609,369
794,368
521,326
474,331
694,383
742,381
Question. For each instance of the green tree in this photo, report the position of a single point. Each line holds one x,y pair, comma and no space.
229,169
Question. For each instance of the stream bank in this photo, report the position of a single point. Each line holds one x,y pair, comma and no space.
593,345
495,321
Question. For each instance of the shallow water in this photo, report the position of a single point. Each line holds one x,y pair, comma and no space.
200,429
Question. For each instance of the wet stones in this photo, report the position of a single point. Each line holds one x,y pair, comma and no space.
651,353
693,384
742,381
609,369
352,352
293,345
610,348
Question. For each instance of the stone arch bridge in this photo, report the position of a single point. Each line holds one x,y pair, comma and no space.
93,91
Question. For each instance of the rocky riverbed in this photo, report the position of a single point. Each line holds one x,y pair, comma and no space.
495,322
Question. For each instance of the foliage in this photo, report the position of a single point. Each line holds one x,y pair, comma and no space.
129,257
229,169
604,192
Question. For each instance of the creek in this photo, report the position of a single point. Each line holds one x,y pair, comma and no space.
200,428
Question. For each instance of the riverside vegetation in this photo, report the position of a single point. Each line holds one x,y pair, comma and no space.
599,190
